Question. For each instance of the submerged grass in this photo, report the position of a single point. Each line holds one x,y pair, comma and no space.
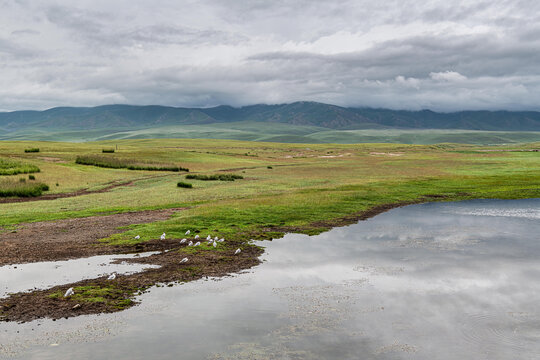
110,295
130,164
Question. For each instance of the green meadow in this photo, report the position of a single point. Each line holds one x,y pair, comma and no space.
282,185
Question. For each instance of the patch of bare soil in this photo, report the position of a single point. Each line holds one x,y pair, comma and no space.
75,238
52,159
387,154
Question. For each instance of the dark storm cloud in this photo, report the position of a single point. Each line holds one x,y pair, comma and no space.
399,54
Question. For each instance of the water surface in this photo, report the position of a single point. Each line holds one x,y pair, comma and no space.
432,281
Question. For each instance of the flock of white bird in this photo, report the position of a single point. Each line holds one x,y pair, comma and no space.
209,239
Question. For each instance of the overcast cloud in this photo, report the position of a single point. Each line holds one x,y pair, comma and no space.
402,54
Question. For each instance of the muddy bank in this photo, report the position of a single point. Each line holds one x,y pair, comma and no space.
104,296
75,238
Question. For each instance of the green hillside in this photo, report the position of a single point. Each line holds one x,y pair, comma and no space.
300,122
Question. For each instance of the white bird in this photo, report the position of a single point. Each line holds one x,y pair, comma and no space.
237,251
187,232
184,260
112,276
163,236
208,237
215,239
197,243
215,244
137,237
221,240
196,237
183,241
69,292
190,243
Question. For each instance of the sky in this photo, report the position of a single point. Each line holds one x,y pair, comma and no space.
399,54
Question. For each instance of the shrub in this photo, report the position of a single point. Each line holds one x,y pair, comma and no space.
21,189
269,167
31,177
130,164
221,177
184,185
10,167
110,151
31,150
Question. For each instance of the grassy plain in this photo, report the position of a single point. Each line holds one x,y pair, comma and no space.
306,184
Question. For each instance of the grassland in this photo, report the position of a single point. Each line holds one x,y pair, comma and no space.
307,183
285,187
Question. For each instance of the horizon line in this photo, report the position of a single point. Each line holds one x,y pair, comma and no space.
264,104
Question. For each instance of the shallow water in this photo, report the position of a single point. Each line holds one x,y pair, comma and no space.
46,274
432,281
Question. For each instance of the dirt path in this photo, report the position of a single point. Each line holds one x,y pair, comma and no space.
74,238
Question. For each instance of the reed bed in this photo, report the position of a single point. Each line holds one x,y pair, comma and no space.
11,167
130,164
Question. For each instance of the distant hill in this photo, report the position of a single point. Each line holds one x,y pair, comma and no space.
299,120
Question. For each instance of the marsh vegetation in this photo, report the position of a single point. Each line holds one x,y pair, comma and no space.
122,163
21,188
215,177
12,167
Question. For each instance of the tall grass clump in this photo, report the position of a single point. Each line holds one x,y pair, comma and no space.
21,188
184,185
220,177
10,167
31,150
109,151
130,164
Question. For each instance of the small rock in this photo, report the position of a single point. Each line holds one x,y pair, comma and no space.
78,306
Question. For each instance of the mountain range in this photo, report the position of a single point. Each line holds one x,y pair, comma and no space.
105,121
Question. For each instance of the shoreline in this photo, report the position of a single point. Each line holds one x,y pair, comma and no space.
100,295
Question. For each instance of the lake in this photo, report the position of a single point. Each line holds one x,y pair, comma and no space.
432,281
